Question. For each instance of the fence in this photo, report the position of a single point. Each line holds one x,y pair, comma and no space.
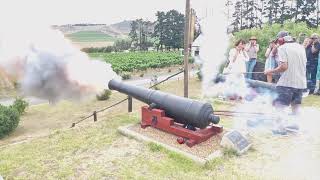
129,99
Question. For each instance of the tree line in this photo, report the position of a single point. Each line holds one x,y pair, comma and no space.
166,33
247,14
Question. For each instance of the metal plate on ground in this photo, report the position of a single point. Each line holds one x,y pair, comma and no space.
235,140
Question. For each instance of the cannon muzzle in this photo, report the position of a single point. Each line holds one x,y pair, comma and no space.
182,110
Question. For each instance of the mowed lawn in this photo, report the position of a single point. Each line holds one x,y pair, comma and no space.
90,36
98,151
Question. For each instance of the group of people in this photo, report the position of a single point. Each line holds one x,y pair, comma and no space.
243,57
296,65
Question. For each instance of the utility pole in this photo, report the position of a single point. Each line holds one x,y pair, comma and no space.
186,49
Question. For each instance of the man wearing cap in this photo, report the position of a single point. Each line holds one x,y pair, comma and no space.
252,50
292,65
312,51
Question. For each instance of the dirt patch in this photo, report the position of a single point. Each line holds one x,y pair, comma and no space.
202,150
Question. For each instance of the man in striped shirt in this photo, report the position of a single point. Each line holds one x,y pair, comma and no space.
293,59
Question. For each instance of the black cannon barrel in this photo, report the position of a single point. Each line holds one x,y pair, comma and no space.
251,83
182,110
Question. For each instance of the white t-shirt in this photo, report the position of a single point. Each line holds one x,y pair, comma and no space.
295,76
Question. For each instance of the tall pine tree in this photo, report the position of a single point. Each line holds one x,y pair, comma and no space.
306,12
237,16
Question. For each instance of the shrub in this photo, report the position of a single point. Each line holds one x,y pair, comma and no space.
20,105
9,120
199,75
105,95
126,75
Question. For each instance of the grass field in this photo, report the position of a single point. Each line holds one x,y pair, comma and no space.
98,151
90,36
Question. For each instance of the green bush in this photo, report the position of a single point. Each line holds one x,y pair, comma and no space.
269,32
126,75
9,120
105,95
20,105
199,75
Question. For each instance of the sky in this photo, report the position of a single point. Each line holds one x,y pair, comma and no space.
50,12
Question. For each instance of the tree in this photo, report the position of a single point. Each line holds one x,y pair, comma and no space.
140,32
250,13
169,29
237,16
306,12
133,33
121,45
159,29
272,8
285,13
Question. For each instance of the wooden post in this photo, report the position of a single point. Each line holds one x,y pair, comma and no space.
129,104
186,49
95,119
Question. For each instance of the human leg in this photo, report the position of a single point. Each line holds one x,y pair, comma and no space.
247,69
317,90
286,96
252,64
313,74
269,78
296,101
308,75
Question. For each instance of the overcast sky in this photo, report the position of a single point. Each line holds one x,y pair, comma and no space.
88,11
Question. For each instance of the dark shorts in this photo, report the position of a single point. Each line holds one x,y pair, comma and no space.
288,95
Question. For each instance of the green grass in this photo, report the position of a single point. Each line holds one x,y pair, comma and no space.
311,101
90,36
98,151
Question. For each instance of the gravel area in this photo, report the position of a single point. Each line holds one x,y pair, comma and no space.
202,150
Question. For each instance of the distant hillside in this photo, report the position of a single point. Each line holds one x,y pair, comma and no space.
95,35
90,36
118,30
123,27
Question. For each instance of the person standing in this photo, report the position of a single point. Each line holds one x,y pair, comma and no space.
238,58
272,59
292,58
312,51
317,91
235,70
252,49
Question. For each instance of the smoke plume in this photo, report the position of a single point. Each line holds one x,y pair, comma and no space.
48,66
214,44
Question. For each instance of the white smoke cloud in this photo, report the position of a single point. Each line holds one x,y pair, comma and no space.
214,44
48,66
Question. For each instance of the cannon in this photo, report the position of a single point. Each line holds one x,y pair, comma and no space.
188,119
252,83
